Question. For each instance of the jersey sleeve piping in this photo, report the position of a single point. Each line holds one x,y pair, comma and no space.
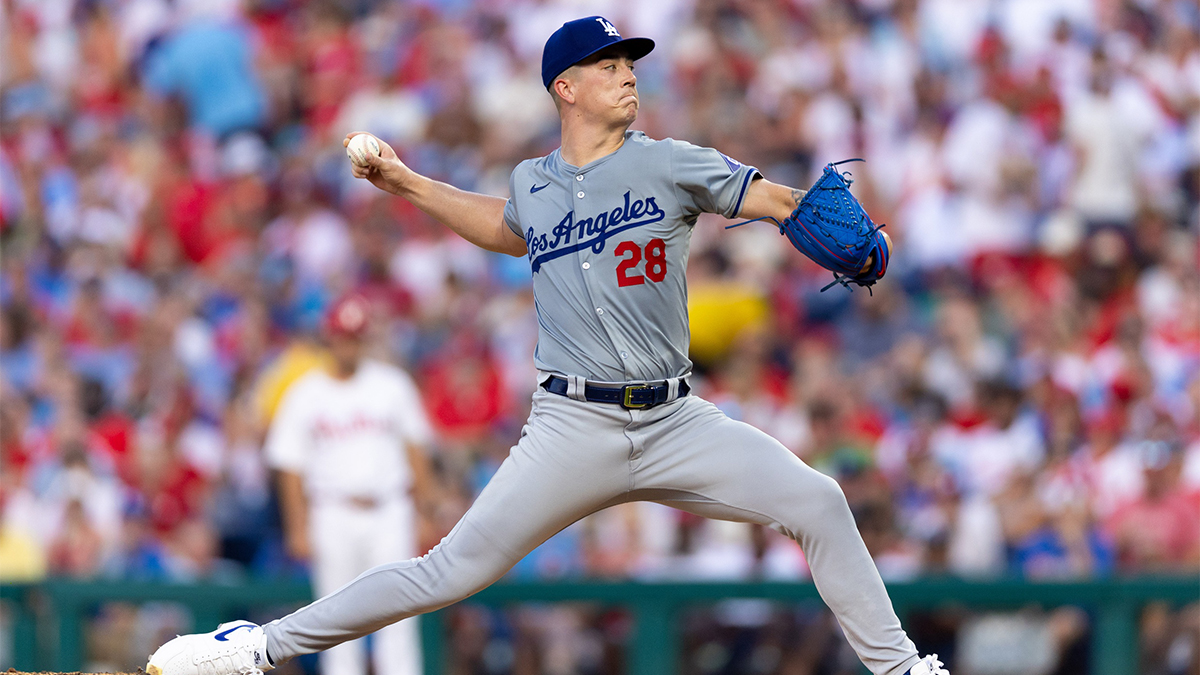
737,205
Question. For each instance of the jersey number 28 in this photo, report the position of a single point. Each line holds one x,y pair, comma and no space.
631,255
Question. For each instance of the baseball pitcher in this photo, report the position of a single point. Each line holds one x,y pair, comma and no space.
605,223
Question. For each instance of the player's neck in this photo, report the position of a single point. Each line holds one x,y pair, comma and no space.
583,144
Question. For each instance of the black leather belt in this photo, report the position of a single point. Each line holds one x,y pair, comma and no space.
630,396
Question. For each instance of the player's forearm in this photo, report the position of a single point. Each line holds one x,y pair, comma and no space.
422,473
293,504
765,199
475,217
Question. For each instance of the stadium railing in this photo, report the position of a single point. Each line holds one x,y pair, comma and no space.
47,618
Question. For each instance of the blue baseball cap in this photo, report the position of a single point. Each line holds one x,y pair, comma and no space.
581,38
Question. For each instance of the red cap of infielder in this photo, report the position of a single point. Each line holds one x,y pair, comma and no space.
349,316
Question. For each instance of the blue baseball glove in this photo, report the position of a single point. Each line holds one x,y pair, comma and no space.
831,227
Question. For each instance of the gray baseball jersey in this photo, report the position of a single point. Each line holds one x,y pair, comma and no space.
608,246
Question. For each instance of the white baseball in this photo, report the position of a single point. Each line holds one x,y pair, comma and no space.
359,146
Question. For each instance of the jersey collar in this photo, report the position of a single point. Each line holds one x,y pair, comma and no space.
561,164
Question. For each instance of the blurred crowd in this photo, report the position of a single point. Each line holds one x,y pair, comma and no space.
1021,395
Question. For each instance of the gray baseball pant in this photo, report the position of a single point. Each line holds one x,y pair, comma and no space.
575,458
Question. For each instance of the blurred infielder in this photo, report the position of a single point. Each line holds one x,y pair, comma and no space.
605,221
349,444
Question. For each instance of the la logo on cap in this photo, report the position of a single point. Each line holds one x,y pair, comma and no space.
608,27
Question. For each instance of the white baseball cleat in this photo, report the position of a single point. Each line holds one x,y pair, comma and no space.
234,648
930,665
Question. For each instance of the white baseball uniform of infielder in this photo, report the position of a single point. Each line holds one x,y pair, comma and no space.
346,439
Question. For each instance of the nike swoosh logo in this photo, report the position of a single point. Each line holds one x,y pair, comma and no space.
535,188
223,636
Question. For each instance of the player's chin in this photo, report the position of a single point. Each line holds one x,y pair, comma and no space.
629,110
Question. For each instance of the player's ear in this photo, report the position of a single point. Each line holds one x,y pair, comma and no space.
564,89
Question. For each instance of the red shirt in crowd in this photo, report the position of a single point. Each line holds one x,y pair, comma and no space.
1156,533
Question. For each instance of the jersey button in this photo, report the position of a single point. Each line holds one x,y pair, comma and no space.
579,194
587,265
579,177
600,311
624,355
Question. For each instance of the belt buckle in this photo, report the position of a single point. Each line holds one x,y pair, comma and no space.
627,396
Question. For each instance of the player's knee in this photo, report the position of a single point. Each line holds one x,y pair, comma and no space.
447,588
444,589
825,499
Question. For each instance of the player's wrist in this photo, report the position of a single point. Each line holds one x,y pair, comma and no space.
404,182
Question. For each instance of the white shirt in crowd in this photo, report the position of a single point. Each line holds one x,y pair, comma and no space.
347,438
